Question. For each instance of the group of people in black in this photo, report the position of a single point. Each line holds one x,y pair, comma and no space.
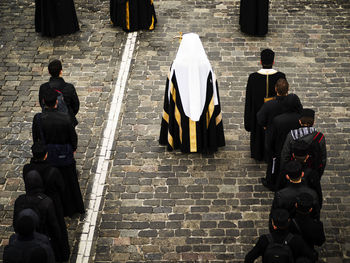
54,18
282,135
52,190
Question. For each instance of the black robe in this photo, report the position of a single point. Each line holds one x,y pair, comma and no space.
53,18
254,17
255,93
57,129
45,208
53,188
133,15
179,132
280,127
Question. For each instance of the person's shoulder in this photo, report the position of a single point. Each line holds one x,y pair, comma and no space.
45,85
37,115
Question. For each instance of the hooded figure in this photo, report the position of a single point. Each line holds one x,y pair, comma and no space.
26,242
44,207
281,125
53,186
192,119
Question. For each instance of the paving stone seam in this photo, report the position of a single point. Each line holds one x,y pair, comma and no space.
104,159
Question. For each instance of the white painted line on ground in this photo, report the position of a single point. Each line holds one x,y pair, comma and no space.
95,198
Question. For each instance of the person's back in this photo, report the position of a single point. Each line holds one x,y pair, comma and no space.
281,104
44,207
59,136
260,87
287,197
306,135
304,224
279,236
24,244
68,91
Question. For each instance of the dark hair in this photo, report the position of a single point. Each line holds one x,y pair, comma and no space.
293,169
304,202
282,87
307,117
50,97
300,148
55,67
280,218
307,121
267,57
39,150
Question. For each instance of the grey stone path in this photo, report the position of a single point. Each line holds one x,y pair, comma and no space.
164,206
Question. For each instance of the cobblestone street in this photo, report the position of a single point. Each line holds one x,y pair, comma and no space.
162,206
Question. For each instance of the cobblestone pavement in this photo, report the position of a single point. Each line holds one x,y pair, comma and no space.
164,206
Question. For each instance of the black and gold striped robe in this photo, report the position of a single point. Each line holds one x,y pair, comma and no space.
180,132
133,15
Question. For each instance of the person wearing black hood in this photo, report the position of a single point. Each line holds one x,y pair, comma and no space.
26,243
53,187
281,125
303,224
54,129
45,208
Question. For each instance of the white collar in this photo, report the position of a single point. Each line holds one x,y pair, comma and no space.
267,71
192,67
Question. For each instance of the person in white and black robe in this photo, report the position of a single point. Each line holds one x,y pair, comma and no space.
192,119
254,17
260,88
54,18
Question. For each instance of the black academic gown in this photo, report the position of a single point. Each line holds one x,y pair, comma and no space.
254,16
255,93
133,15
53,188
49,222
57,129
280,127
179,132
53,18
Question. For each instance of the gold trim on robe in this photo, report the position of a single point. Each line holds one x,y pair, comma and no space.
193,136
218,119
170,140
127,15
210,110
165,116
177,112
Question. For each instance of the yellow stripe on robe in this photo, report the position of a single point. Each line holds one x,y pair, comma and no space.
193,136
177,112
127,15
151,27
170,140
165,116
210,110
218,119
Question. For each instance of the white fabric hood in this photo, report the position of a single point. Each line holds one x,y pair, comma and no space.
192,68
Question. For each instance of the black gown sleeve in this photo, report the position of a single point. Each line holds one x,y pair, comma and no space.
248,106
257,251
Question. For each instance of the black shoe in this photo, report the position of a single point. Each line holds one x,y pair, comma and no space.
267,184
